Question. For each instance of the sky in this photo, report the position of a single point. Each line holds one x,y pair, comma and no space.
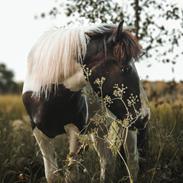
20,30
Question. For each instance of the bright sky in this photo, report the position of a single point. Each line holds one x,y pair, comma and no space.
19,30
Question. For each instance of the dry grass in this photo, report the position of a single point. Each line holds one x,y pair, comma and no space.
12,105
20,159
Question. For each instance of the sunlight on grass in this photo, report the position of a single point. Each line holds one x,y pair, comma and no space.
12,105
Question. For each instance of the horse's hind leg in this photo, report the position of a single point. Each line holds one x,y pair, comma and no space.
49,155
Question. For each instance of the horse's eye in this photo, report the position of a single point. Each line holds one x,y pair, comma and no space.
126,69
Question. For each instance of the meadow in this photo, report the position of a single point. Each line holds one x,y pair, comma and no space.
21,161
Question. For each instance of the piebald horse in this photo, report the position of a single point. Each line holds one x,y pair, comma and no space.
56,74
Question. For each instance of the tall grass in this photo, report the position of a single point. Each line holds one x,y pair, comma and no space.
165,160
21,161
18,153
12,106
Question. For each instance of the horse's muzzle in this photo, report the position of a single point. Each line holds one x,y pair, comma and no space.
143,119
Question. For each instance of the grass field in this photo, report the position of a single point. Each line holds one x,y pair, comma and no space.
21,161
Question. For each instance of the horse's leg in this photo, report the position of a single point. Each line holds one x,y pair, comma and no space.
74,146
99,147
142,143
49,155
132,153
107,160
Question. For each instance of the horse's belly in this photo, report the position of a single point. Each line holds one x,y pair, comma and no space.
52,114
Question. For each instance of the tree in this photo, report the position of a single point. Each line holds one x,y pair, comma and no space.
7,84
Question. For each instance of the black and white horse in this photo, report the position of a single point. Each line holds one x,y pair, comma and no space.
55,76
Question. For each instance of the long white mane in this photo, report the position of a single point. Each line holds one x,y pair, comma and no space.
56,55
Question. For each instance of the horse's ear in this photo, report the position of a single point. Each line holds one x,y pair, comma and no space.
116,36
118,32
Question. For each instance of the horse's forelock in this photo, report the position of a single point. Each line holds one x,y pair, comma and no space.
127,47
132,45
100,30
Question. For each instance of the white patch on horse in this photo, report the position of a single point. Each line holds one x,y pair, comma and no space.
72,132
49,155
74,83
77,81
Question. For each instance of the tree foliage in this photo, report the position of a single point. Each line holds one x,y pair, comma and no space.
95,11
7,83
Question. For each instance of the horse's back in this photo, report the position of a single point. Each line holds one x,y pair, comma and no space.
50,114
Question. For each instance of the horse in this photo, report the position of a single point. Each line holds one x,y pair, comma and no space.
62,62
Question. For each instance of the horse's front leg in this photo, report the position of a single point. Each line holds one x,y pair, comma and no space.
49,155
74,147
107,160
132,153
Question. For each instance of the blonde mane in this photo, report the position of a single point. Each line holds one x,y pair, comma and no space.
56,56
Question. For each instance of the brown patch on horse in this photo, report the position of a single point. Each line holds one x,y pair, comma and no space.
127,47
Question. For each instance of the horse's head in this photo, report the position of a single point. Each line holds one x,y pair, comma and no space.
110,57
